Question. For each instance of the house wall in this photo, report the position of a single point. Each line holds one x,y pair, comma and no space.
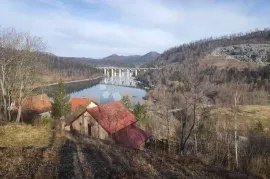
80,126
91,105
96,130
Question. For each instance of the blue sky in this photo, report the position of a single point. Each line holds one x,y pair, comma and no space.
98,28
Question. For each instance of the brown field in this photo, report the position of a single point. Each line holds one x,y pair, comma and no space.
18,136
248,116
223,63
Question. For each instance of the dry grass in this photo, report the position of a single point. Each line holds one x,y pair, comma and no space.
17,136
248,115
223,63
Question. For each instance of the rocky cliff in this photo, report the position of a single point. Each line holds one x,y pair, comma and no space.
244,52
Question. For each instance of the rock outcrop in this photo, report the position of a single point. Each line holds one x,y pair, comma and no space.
244,52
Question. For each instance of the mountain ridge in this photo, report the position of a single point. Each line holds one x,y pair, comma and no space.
118,60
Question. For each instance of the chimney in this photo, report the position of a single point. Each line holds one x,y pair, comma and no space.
42,99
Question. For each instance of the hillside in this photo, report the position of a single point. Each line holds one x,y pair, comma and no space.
91,158
69,156
55,68
201,48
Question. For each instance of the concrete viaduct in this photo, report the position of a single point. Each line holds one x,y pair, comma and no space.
120,70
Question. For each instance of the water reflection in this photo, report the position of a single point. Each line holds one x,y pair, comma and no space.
120,81
70,87
104,90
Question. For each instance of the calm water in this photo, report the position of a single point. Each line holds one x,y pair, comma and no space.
108,89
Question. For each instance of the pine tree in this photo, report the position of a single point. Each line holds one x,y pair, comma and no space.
126,102
140,112
61,104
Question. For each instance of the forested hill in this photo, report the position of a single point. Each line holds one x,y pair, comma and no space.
56,68
200,48
119,60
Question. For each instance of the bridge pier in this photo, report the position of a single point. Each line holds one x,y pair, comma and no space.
120,72
112,71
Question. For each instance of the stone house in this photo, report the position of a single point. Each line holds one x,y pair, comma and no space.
107,121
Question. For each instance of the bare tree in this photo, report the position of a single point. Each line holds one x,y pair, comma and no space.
191,91
19,67
238,89
163,105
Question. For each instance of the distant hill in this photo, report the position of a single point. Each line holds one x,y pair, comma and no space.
55,68
118,60
125,61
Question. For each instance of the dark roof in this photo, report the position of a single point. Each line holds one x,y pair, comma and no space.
131,136
74,115
112,116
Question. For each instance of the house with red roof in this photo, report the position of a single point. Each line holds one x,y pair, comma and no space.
82,102
131,136
107,121
36,107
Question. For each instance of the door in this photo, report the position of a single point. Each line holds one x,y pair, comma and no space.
89,130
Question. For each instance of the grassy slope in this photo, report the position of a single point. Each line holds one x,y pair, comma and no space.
224,63
16,136
248,116
91,158
79,157
25,152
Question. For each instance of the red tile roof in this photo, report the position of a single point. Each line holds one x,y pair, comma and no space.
37,104
131,136
112,116
79,102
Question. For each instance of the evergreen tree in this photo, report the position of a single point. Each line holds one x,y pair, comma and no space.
126,102
140,112
61,104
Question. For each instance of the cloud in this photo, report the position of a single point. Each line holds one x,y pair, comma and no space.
97,28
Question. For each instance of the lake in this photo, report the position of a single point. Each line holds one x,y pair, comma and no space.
105,90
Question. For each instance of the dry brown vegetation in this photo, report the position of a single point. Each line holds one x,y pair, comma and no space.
79,157
92,158
249,116
25,151
223,63
21,135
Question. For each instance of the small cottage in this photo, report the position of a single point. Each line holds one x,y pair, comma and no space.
36,107
107,121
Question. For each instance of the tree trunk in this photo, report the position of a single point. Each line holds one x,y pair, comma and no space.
20,104
5,108
182,146
228,151
2,82
18,119
235,131
236,147
9,105
168,130
195,144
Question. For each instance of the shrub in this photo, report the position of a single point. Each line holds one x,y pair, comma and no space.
46,121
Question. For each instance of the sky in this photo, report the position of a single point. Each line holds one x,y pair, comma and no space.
99,28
